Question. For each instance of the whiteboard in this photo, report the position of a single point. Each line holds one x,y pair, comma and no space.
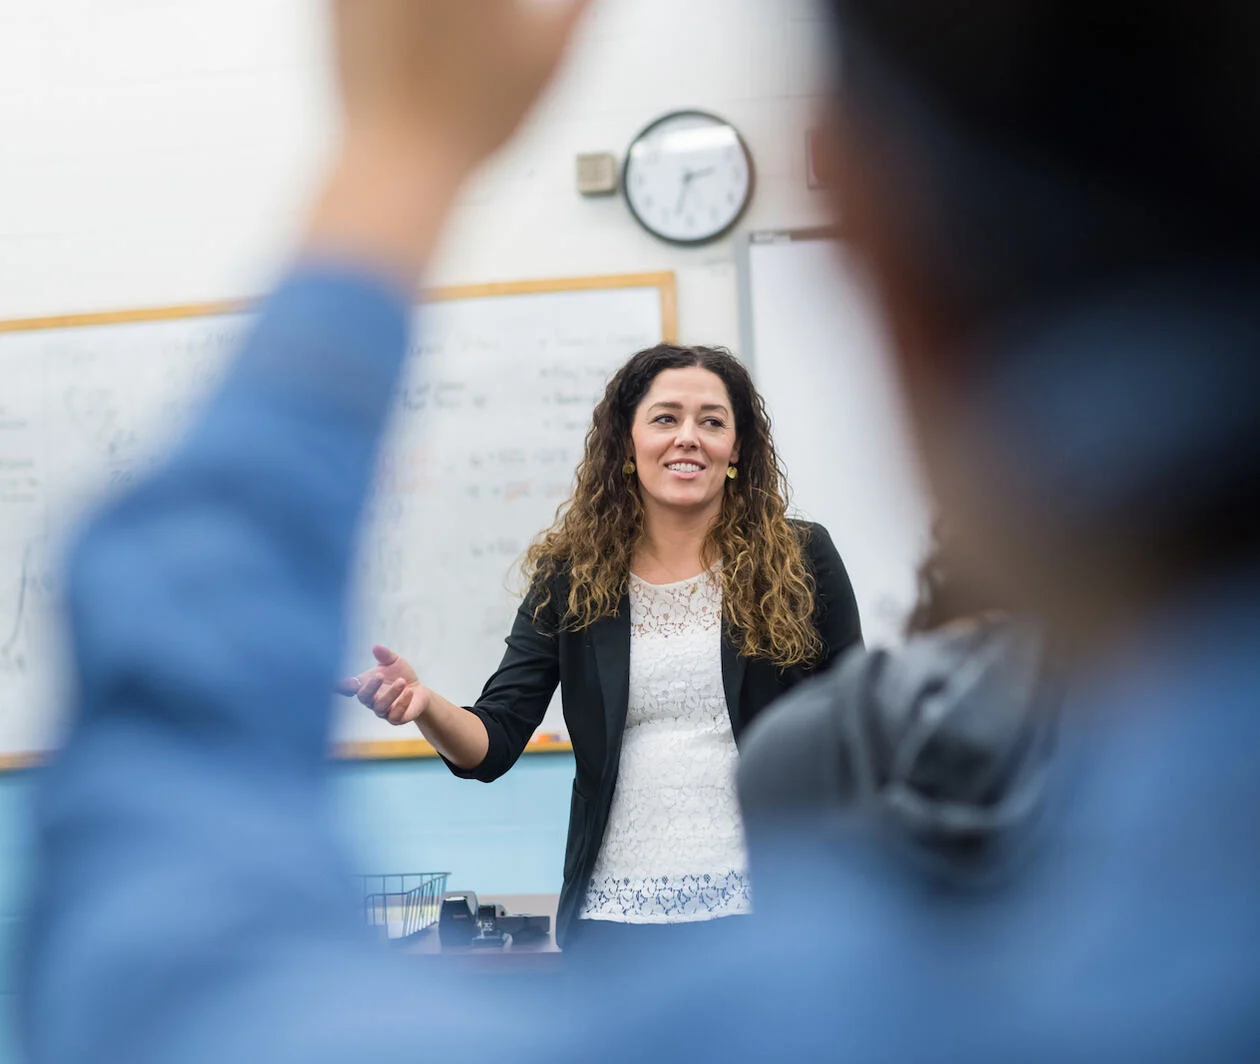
486,433
820,359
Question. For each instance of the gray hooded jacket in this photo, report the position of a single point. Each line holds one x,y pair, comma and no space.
945,742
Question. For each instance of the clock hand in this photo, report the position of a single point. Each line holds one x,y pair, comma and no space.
688,177
682,196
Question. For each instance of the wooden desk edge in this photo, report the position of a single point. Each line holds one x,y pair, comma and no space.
414,748
373,751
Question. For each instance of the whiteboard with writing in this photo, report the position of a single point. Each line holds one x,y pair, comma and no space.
488,428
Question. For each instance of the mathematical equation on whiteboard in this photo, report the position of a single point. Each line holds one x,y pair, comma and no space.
485,436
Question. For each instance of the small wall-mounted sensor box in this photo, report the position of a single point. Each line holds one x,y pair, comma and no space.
597,173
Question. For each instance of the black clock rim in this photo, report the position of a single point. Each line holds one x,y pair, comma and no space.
690,112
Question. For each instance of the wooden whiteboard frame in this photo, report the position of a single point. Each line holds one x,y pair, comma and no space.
663,281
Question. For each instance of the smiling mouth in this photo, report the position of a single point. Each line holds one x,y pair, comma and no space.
684,467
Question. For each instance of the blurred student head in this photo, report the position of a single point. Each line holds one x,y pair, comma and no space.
1057,202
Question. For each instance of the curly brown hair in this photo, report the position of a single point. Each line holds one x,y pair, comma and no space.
768,594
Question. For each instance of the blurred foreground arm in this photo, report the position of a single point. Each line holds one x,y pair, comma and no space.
189,902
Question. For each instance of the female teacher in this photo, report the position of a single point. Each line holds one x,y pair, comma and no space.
672,600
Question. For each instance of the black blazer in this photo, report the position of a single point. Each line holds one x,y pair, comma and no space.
592,667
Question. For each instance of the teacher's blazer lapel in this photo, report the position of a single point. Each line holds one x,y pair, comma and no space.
734,665
610,640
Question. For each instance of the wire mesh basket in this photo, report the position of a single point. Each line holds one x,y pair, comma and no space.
400,905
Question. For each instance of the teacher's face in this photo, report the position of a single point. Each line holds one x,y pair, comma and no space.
683,439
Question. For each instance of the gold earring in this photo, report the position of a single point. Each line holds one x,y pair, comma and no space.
629,468
732,472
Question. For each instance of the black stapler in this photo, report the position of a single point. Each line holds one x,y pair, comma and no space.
457,919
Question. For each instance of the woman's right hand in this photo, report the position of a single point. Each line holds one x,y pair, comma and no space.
391,690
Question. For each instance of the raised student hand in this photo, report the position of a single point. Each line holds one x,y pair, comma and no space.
460,73
391,690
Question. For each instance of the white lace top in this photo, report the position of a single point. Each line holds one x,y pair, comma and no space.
674,848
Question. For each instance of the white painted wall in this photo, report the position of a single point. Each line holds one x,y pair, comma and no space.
162,151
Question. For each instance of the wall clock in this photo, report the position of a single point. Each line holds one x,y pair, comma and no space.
688,177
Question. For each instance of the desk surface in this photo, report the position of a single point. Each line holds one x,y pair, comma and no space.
537,956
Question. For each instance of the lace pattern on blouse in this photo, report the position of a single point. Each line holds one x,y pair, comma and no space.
674,847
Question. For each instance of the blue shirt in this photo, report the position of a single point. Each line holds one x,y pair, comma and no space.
191,905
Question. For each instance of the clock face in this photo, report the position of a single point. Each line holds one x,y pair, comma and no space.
688,177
